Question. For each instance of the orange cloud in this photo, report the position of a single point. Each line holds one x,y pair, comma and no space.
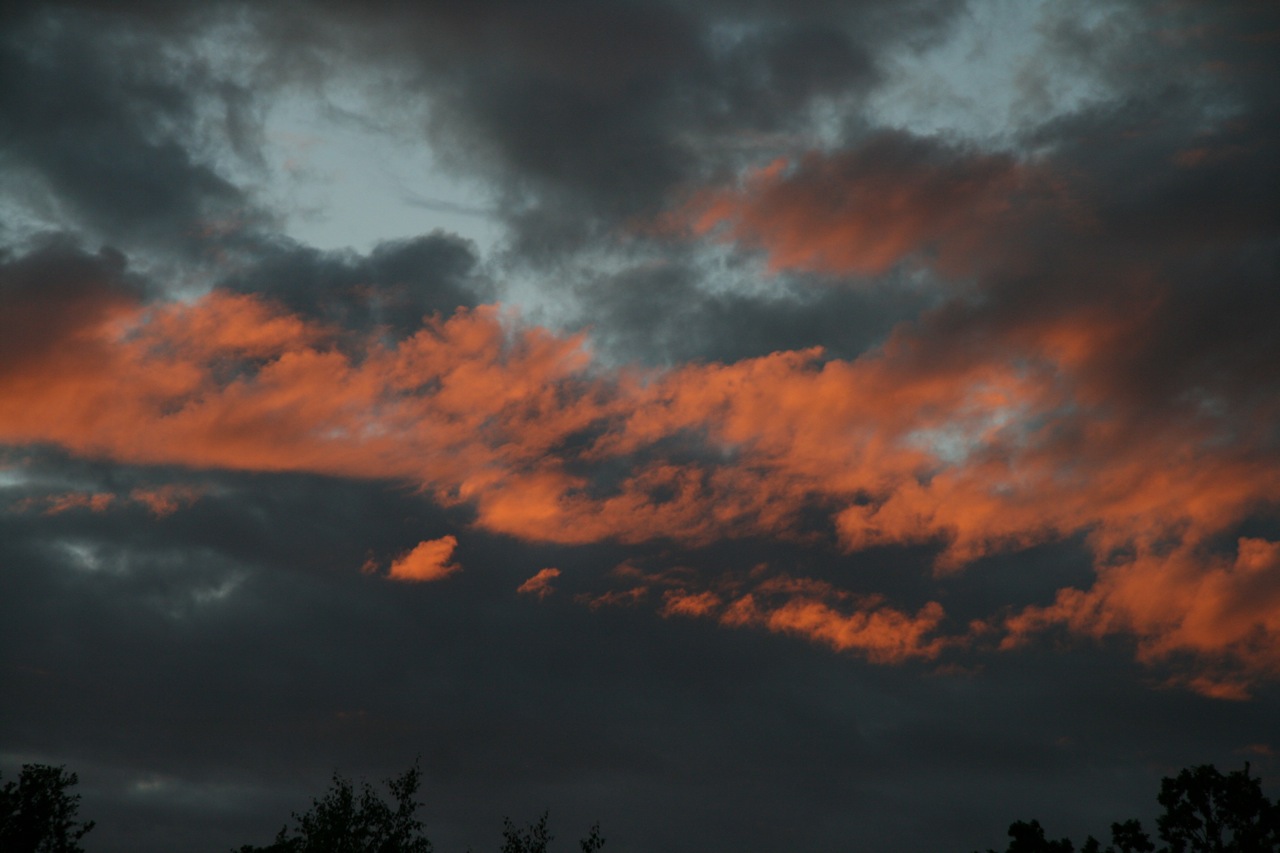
881,634
475,410
218,383
428,561
161,500
167,499
813,610
1019,438
865,210
1222,609
539,584
681,603
92,501
613,598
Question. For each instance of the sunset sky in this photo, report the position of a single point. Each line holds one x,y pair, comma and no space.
778,426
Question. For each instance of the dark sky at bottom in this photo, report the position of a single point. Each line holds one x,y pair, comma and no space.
200,730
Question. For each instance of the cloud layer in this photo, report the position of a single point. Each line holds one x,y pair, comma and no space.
820,382
1008,446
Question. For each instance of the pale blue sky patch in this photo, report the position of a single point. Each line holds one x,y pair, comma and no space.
345,178
999,70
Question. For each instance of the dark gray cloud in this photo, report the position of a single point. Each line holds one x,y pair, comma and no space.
392,287
102,107
663,314
586,116
581,117
205,647
50,294
198,722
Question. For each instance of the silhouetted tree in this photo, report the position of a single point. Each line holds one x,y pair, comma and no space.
594,840
342,822
535,837
1029,838
1126,837
38,815
1204,812
532,839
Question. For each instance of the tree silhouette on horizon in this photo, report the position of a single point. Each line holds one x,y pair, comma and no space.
343,821
346,821
38,814
1204,812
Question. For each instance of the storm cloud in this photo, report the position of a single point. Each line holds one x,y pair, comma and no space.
805,426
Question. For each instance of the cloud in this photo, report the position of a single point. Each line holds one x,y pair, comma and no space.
574,141
388,290
428,561
162,500
978,454
66,77
54,296
863,210
166,499
664,311
540,584
807,608
883,635
681,603
95,502
1222,609
992,367
1082,353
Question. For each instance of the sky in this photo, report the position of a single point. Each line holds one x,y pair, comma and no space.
752,425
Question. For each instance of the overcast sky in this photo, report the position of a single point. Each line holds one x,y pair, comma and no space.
758,426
